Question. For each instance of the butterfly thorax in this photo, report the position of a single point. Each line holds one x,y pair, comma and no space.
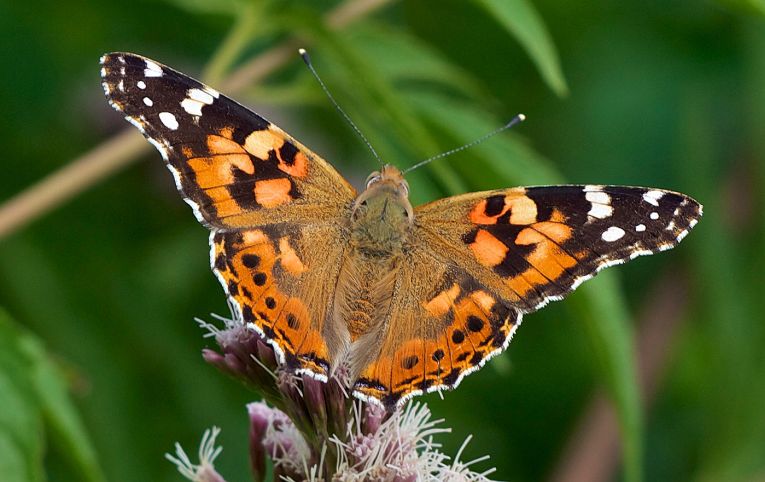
382,215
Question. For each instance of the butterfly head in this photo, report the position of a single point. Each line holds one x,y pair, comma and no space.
382,214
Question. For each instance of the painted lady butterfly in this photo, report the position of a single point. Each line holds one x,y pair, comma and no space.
408,300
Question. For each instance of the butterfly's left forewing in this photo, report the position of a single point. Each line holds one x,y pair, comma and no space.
492,256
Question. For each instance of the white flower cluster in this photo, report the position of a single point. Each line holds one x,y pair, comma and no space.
400,449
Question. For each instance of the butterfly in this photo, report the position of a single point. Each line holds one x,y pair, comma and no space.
405,299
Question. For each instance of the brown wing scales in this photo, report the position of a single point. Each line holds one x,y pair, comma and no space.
280,280
437,332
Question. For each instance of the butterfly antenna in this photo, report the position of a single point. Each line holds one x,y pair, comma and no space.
515,120
307,61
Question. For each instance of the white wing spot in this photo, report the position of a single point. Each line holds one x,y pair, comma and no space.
168,120
152,69
201,96
600,211
121,86
196,100
654,215
600,201
598,197
141,84
652,197
612,234
640,228
148,102
671,225
192,107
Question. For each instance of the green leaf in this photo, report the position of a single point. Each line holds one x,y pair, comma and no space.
219,7
513,161
33,395
407,58
63,422
21,428
602,307
252,22
522,21
379,99
749,7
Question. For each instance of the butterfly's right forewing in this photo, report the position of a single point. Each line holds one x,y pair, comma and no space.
234,167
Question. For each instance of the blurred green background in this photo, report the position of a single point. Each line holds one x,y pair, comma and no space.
100,367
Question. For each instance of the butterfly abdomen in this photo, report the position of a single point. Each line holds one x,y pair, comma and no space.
362,301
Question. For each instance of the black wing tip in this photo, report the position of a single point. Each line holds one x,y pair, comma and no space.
111,57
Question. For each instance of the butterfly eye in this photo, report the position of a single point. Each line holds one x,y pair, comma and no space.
373,178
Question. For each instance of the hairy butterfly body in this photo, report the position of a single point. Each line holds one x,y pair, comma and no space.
408,299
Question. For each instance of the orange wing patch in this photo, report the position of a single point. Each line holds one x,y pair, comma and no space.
442,302
523,250
291,160
254,265
488,250
476,327
273,192
233,179
515,205
260,143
